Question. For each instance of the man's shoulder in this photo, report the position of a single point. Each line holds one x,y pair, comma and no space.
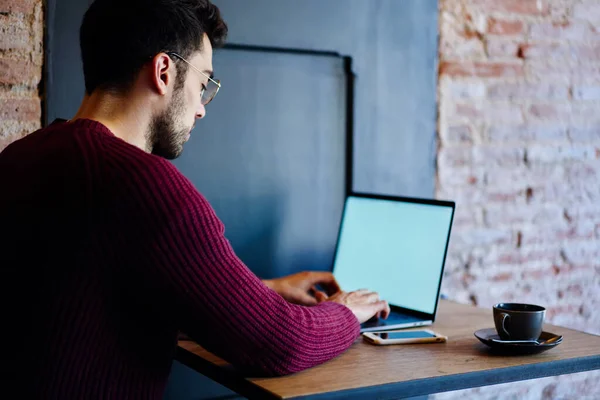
60,138
152,174
129,160
162,188
47,145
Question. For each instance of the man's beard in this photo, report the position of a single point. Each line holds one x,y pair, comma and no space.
165,138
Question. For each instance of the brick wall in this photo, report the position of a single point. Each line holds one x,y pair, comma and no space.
519,95
21,60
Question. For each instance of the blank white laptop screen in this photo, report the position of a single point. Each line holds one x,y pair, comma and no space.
395,248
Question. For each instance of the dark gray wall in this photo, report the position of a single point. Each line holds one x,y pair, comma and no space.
393,44
63,70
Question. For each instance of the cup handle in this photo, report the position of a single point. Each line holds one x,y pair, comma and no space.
504,316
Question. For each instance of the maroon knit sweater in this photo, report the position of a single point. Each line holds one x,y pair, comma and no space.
107,252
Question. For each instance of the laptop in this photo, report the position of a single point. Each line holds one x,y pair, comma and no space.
397,247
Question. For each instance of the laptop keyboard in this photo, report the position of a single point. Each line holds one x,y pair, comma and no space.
393,319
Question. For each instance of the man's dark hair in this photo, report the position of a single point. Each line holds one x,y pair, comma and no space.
117,37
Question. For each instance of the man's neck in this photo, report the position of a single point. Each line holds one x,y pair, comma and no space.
125,118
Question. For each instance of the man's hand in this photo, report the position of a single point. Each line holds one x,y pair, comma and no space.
363,303
301,288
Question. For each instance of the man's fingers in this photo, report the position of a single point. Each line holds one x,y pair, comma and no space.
365,295
326,280
320,277
314,291
371,297
307,300
320,296
380,308
385,311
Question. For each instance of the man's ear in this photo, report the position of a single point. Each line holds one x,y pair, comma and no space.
163,73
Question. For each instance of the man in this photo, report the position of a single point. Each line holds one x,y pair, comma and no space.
108,251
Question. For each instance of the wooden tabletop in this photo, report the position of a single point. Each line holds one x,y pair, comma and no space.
410,370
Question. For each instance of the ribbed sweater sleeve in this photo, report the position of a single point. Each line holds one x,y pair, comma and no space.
183,253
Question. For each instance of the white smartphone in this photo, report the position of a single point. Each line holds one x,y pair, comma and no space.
403,337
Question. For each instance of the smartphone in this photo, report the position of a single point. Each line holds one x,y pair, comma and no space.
403,337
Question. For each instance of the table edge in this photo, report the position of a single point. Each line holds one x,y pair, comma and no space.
418,387
228,378
467,380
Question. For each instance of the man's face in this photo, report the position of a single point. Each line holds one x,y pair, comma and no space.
171,128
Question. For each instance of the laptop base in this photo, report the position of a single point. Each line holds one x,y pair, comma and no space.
394,321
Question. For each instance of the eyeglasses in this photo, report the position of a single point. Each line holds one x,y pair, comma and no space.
212,87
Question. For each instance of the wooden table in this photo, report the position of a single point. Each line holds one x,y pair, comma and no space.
367,371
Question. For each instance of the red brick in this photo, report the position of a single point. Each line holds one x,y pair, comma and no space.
506,156
535,274
584,172
523,177
503,277
526,134
574,290
467,195
583,252
468,110
577,31
457,177
460,89
579,232
561,71
552,154
542,110
586,92
505,27
14,72
585,134
584,213
504,196
556,52
458,134
524,7
481,69
489,112
452,157
523,256
504,215
560,112
460,47
516,91
585,113
502,113
481,237
587,52
467,217
14,34
559,234
20,109
500,47
588,10
552,311
17,6
568,192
